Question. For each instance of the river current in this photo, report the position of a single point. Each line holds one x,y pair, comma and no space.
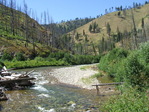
45,96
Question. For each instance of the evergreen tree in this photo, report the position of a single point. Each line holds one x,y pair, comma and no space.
83,32
119,13
94,26
119,35
142,23
90,28
77,36
108,29
94,49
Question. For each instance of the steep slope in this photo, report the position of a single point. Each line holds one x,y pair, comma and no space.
67,26
20,33
121,20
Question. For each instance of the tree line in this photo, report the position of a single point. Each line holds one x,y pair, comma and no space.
18,22
21,26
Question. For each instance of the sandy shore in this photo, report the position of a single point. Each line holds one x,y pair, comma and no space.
77,75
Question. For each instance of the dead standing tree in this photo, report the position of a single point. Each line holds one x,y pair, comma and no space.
12,16
26,23
134,30
143,28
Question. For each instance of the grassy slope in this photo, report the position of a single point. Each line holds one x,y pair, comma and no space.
16,43
123,23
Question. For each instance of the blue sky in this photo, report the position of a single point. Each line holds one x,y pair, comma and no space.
71,9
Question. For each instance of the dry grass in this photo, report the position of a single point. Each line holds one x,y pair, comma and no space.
122,22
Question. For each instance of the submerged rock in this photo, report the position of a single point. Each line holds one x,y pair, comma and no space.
51,110
2,95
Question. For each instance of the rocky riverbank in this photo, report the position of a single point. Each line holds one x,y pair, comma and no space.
80,76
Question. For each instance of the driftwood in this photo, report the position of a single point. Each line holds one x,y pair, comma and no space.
10,84
13,81
106,84
30,72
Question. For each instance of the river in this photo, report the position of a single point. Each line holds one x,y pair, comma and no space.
48,97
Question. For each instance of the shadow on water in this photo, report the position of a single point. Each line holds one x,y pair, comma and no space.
1,107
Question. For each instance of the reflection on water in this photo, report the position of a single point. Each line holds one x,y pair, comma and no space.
47,97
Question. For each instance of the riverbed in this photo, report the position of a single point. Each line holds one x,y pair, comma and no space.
50,94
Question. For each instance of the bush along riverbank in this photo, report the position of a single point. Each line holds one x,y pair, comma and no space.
131,67
54,59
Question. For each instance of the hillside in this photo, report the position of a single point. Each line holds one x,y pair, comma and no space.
20,33
119,21
123,28
66,26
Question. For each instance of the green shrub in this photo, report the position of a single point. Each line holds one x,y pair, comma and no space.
7,56
97,75
120,73
68,58
135,73
144,53
57,55
50,59
1,64
33,63
80,59
54,59
130,101
96,59
39,59
111,61
135,68
20,57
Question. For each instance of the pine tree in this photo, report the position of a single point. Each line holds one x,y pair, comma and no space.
108,29
94,26
83,32
90,28
77,36
142,23
118,35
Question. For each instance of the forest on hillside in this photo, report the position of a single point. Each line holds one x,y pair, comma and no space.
22,23
129,38
67,26
35,40
16,23
22,38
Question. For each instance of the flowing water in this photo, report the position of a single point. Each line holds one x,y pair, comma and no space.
47,97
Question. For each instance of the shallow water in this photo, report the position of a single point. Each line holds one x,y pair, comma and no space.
105,79
47,97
